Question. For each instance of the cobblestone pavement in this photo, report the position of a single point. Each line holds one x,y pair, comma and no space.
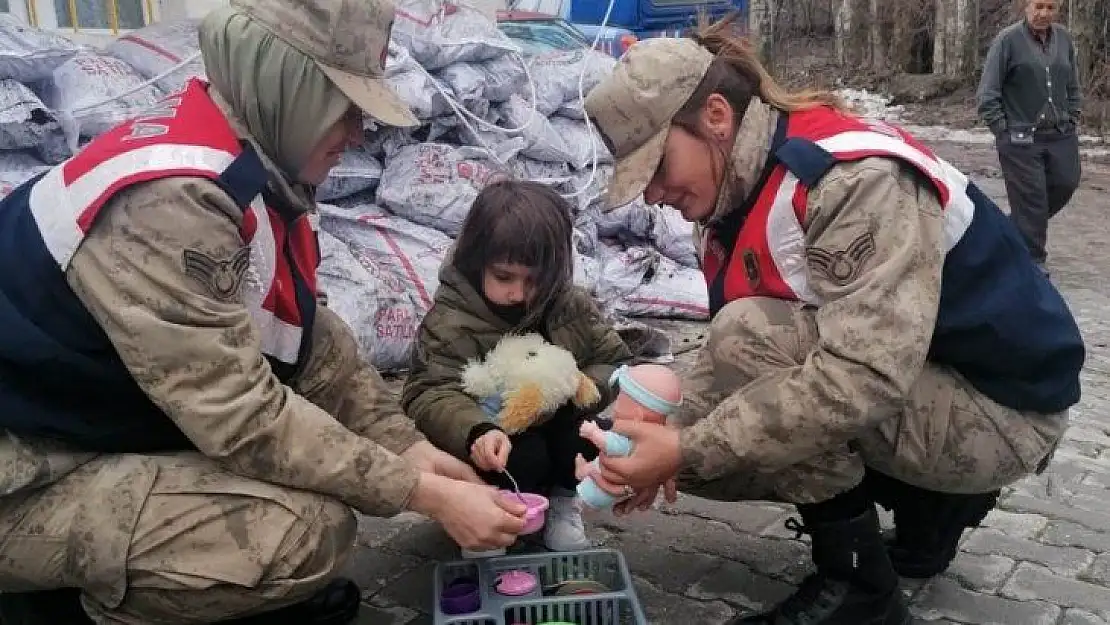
1041,558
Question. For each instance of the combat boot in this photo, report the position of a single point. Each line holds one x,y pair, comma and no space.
927,524
335,604
44,607
854,583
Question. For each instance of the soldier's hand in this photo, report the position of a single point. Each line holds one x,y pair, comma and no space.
430,459
478,518
656,456
645,498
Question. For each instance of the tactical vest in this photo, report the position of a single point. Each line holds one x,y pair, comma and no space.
1001,323
60,376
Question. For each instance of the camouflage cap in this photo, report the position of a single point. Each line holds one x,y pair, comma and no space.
633,108
348,39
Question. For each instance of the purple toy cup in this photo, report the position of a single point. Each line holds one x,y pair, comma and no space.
537,506
460,597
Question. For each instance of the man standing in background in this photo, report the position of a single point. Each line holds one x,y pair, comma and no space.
1029,97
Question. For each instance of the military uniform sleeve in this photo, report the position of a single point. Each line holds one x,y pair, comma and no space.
189,341
338,380
874,251
433,396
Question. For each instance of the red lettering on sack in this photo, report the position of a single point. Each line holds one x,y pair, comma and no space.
395,323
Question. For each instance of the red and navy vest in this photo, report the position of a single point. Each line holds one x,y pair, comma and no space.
1000,322
60,376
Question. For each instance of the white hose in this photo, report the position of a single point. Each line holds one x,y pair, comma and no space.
455,105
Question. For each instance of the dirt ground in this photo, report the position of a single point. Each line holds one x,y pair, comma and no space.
810,63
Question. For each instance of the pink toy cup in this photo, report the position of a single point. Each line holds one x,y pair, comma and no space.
537,506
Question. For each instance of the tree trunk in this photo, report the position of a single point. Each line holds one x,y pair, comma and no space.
899,52
761,29
852,33
955,49
1085,27
879,32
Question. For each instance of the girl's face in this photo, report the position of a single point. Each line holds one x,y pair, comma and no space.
509,284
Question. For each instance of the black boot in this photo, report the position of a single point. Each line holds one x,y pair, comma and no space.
854,583
336,604
928,524
44,607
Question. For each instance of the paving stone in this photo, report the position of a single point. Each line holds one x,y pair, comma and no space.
1099,572
1062,560
663,607
983,572
742,586
671,571
375,532
1015,524
1081,617
412,590
783,558
373,615
1066,534
427,540
372,569
1057,510
944,598
1087,434
749,517
1030,581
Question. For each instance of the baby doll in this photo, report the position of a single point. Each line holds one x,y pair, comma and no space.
649,393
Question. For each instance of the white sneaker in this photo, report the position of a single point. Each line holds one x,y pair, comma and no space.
564,530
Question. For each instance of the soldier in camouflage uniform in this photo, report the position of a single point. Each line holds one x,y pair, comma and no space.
184,431
879,332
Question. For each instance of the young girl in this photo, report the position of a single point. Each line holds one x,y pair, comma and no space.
511,271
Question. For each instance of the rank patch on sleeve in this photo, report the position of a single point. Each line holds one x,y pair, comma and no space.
223,278
841,267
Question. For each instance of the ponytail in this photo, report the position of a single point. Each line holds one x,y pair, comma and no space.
736,53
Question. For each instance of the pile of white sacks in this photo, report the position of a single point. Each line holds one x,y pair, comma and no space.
390,210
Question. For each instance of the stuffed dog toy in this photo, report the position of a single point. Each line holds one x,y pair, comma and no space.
532,377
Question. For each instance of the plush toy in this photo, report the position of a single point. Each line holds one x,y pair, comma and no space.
531,377
650,393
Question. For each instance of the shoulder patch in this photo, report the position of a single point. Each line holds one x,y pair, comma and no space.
222,278
841,267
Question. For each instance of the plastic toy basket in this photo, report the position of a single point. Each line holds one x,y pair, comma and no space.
554,600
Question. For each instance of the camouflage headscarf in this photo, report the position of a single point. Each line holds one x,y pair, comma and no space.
282,97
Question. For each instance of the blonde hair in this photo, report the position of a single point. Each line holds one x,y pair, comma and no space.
736,55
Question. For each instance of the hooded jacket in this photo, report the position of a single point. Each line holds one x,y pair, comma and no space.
460,326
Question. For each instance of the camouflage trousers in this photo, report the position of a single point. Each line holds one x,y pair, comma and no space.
174,538
949,437
171,539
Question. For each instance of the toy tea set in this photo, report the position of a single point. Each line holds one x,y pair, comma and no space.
591,587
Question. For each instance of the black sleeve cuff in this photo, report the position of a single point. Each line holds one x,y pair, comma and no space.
477,431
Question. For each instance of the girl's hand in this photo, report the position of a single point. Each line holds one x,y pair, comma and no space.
656,456
491,451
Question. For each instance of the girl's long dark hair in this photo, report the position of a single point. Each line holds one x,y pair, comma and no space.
520,222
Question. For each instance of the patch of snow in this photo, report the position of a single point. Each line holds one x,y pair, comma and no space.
877,106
